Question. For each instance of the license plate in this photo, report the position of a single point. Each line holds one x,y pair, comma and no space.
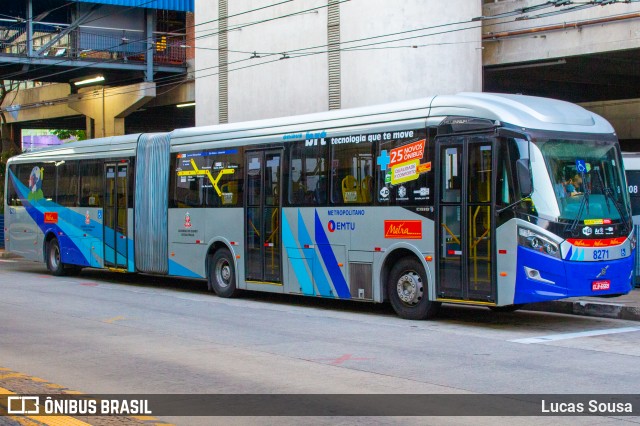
600,285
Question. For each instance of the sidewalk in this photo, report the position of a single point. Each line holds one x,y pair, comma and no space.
625,307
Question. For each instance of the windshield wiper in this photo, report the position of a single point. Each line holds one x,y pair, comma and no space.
608,193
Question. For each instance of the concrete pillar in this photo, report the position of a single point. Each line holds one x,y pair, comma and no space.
10,138
108,106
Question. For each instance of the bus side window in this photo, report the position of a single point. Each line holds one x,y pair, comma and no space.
351,167
307,174
67,187
91,177
452,170
410,153
506,184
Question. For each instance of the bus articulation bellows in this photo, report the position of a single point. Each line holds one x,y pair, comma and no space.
481,199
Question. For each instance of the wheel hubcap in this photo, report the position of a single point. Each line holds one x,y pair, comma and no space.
410,288
54,257
223,273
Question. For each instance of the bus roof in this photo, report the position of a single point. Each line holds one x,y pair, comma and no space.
520,111
93,148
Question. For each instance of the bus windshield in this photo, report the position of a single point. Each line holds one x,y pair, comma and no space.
586,177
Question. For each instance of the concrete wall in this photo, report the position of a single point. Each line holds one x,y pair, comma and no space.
624,116
562,42
445,63
49,97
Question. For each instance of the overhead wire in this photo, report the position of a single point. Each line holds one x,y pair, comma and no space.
174,80
108,49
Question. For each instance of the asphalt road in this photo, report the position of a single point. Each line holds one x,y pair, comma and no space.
104,332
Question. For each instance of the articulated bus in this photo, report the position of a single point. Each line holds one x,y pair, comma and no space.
476,198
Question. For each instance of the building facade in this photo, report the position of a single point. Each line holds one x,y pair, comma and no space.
255,60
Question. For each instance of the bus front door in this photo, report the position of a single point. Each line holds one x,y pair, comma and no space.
115,216
465,216
262,216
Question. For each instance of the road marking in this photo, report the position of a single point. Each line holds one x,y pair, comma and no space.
341,360
114,319
56,420
47,420
565,336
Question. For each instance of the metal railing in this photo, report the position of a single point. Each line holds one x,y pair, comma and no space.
96,44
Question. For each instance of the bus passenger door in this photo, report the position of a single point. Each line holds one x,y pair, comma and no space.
115,216
262,216
464,212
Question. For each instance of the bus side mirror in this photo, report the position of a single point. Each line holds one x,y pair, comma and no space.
524,177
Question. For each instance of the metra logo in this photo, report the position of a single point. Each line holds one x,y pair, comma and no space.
50,217
333,226
409,229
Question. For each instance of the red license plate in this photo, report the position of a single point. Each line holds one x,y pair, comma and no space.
600,285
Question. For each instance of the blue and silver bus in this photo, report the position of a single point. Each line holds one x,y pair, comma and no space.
476,198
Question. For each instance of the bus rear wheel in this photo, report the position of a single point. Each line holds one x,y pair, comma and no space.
407,290
222,274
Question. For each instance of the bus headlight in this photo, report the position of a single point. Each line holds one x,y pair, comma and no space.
534,241
632,239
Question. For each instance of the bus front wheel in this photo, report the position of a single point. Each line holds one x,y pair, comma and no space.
407,289
222,274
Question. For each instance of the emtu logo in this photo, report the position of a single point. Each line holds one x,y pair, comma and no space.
333,226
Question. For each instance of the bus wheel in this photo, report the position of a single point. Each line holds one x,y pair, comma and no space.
408,292
222,274
506,308
54,264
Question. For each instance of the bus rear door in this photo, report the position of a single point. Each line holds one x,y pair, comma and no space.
465,216
262,217
116,215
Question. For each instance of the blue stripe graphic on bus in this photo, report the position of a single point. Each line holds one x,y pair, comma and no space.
330,261
321,279
178,270
74,231
293,250
69,251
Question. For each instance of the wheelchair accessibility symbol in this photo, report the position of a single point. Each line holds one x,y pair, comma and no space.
581,166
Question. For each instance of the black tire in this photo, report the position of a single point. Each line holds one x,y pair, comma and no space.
54,262
222,273
407,289
506,308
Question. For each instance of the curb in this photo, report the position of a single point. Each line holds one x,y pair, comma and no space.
588,308
8,255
